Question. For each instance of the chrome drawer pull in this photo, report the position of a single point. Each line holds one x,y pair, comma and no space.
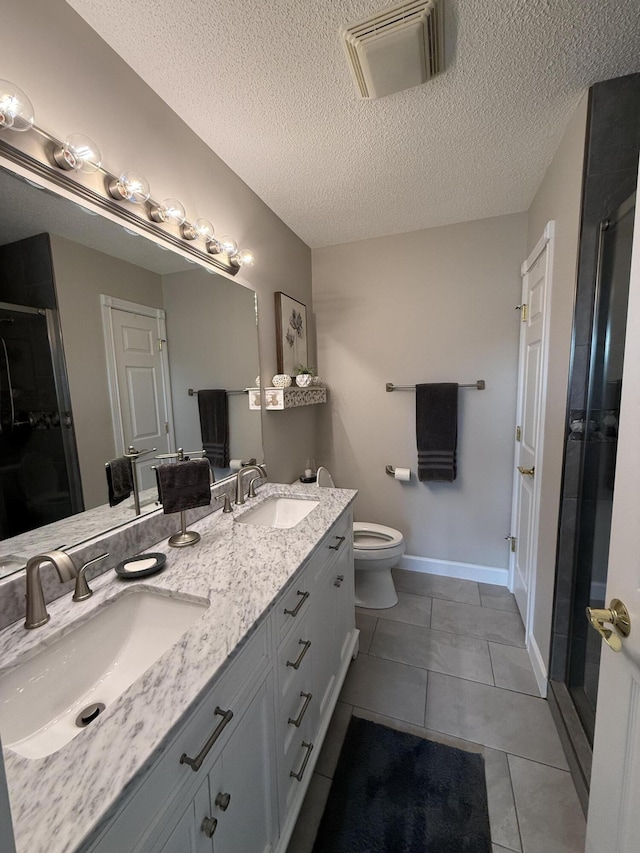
300,773
209,826
296,609
196,763
303,711
222,801
307,645
335,547
338,581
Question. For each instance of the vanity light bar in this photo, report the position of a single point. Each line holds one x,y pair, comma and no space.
78,153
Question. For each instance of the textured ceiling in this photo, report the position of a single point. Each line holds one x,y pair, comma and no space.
474,142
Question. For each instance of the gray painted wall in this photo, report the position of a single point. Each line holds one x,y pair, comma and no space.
429,306
81,275
219,314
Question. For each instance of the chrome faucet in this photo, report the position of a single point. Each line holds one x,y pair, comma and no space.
248,469
36,609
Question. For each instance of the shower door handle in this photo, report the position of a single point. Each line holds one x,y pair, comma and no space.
618,616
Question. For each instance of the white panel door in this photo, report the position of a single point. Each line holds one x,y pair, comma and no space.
532,366
614,802
142,394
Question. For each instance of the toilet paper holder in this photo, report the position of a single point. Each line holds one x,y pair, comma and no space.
391,471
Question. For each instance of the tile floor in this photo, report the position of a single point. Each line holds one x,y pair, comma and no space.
448,662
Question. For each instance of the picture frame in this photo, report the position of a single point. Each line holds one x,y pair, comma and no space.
291,333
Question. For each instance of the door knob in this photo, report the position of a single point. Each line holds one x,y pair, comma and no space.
529,472
618,616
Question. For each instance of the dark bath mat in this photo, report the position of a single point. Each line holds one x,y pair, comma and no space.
397,793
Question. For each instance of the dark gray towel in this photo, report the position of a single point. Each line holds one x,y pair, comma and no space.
119,480
214,426
437,431
184,485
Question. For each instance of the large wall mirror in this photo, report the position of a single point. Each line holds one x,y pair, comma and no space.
66,275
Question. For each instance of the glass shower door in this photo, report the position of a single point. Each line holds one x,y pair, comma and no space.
599,434
35,481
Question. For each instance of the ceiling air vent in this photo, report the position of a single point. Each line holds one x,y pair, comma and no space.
396,48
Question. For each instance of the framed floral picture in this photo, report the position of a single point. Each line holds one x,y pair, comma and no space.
291,333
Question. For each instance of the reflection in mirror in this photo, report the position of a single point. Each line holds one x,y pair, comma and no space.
102,334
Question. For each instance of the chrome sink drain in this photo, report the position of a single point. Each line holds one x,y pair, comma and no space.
89,714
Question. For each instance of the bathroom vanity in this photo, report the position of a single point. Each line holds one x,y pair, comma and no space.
212,747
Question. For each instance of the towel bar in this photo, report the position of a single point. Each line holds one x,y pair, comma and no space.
480,385
193,393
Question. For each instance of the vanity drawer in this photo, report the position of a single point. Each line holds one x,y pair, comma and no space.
296,760
293,606
339,539
169,779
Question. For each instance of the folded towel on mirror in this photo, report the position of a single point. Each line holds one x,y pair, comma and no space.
437,431
214,426
184,485
119,480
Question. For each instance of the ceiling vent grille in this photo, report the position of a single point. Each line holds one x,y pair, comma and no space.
398,47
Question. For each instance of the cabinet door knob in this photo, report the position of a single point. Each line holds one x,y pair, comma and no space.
338,580
222,801
208,826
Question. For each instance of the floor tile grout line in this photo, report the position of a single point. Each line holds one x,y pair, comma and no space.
515,804
455,633
506,689
440,672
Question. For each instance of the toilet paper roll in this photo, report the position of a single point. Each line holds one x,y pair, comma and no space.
403,474
235,464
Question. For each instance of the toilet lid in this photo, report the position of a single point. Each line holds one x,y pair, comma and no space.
324,478
374,537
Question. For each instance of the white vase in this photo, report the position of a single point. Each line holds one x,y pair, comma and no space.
303,380
281,380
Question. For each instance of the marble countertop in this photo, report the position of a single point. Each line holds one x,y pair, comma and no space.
59,801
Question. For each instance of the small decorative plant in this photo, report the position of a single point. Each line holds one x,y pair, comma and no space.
300,369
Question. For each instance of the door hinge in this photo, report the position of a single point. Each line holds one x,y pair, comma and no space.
161,341
166,427
525,311
518,434
512,542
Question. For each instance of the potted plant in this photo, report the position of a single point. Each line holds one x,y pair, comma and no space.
304,375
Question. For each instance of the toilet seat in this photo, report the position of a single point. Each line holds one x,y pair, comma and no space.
375,537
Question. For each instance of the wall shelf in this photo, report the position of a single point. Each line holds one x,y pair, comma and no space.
277,399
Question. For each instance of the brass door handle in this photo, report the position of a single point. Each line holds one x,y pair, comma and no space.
618,616
528,472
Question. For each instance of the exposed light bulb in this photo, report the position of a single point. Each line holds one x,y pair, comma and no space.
246,258
79,153
229,245
204,229
16,110
170,211
130,186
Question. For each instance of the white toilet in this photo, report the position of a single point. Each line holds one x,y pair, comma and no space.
376,550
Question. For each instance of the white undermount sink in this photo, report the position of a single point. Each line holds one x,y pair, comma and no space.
278,511
41,698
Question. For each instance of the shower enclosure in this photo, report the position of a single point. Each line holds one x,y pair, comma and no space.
39,473
596,430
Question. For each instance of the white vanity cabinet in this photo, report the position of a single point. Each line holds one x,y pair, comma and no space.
255,736
233,807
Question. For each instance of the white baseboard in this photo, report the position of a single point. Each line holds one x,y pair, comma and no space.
539,668
450,569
